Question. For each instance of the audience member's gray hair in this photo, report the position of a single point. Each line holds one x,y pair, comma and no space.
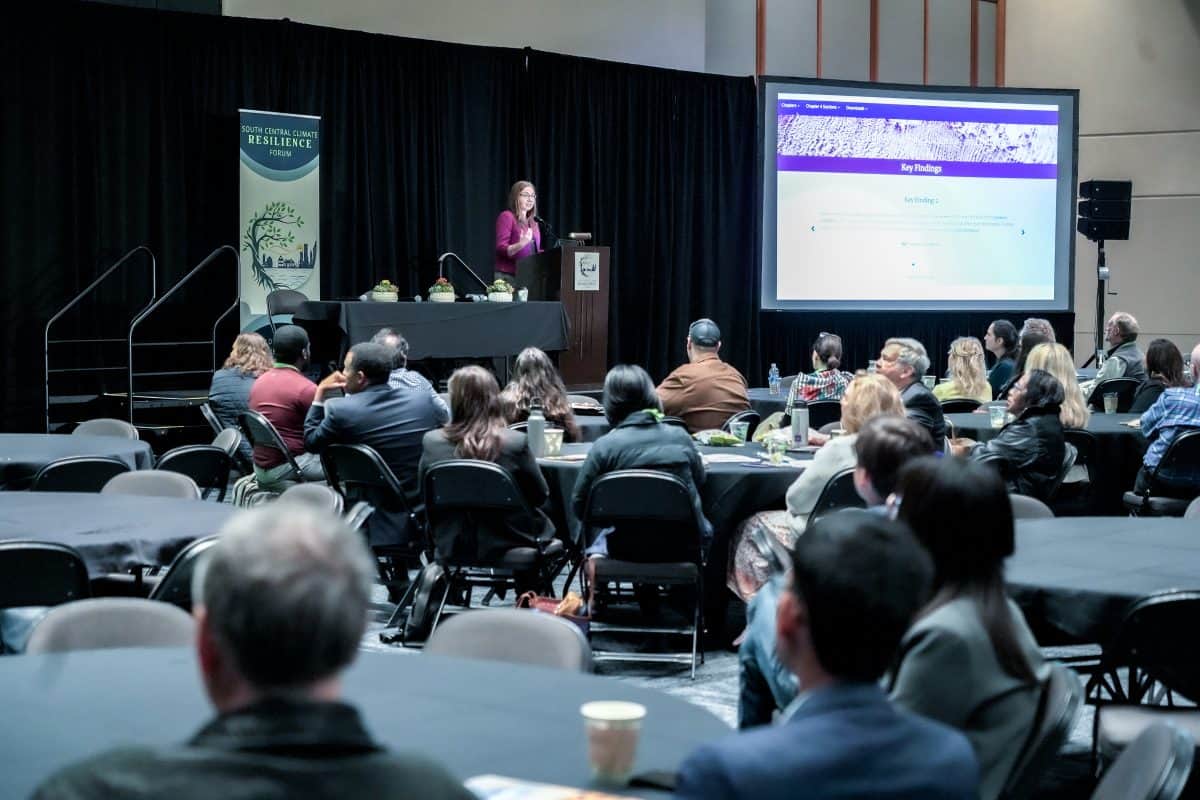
389,338
1039,326
286,590
912,353
1127,326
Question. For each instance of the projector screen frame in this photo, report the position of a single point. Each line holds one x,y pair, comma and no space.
767,282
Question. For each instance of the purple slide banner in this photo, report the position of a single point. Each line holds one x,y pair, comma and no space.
838,108
900,166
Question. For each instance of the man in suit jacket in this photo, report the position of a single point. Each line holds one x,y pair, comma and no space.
903,362
389,420
857,582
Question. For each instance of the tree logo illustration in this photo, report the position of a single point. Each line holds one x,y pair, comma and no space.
272,230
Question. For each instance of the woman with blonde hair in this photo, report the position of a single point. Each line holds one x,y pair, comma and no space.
535,378
968,376
1056,359
517,231
867,396
229,393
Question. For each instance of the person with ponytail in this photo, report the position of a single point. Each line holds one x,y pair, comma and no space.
827,381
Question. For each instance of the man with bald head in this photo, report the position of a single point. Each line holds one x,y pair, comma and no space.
1176,411
1125,358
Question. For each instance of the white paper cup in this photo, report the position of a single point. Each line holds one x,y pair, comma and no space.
613,727
997,414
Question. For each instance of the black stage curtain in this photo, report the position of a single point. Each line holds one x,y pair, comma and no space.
120,129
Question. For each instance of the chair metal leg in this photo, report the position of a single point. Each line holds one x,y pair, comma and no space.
405,601
442,605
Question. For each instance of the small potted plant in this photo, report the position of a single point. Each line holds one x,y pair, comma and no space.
442,291
501,291
385,292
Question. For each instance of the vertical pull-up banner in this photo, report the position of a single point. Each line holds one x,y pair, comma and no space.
280,209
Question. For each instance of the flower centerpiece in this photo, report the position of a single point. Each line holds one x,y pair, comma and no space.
442,291
501,291
385,292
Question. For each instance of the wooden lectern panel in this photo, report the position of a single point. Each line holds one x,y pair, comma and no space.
585,362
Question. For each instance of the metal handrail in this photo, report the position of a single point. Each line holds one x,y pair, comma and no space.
84,293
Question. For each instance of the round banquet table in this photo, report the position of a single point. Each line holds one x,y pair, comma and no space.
591,426
1077,575
474,717
113,533
1118,456
765,403
23,454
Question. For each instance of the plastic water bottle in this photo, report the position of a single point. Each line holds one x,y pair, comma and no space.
773,379
536,429
800,423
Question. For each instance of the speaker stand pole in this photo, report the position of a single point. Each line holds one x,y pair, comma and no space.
1101,287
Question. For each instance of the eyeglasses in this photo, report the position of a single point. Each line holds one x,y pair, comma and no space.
528,195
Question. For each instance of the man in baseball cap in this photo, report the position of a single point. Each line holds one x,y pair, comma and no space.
705,391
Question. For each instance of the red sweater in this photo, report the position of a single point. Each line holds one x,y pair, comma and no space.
282,395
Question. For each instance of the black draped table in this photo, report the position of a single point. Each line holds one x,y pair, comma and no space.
443,330
113,533
1118,456
765,403
23,454
474,717
1077,575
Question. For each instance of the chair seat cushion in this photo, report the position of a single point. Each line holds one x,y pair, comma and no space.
1156,506
1118,726
668,572
527,557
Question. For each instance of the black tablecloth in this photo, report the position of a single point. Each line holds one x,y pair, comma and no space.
113,533
765,403
1077,575
447,330
23,454
1118,456
474,717
591,427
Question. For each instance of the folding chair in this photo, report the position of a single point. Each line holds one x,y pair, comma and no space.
175,585
839,493
106,426
102,623
283,301
749,416
78,474
1125,389
959,405
1058,708
261,433
1183,454
205,464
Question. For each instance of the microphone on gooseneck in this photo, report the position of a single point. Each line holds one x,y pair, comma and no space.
549,228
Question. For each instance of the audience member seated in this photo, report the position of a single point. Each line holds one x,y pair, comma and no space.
705,391
1123,359
638,440
1001,341
969,660
856,583
283,395
827,381
967,376
1176,411
903,362
867,397
280,605
390,421
1164,370
229,392
535,378
887,442
1034,332
405,379
479,431
1056,359
1029,450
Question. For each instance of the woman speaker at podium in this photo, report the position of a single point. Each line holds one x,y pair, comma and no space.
517,232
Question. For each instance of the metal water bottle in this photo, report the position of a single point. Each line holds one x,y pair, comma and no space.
800,423
536,429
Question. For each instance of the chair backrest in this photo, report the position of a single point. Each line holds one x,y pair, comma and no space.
839,492
175,586
522,426
1150,639
358,514
229,440
1024,507
261,433
1058,706
1193,509
677,421
583,399
1125,389
1182,454
1068,461
824,412
102,623
282,301
356,472
652,513
210,417
206,464
1155,766
787,380
153,483
41,574
106,426
316,495
749,415
1084,443
78,474
463,495
515,636
960,405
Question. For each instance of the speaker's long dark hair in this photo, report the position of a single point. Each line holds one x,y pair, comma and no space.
961,512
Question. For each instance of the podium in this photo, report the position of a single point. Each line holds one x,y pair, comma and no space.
578,277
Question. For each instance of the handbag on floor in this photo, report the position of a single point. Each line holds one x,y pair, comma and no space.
568,608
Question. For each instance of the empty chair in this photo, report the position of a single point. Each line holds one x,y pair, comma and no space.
40,574
283,302
229,440
106,426
153,483
824,412
516,636
1058,707
1155,766
1029,507
206,464
175,586
1123,388
102,623
750,416
839,492
959,405
1182,455
78,474
210,417
314,494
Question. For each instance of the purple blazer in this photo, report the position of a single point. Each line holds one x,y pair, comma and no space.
508,233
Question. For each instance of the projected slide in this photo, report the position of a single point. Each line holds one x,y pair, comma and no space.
916,202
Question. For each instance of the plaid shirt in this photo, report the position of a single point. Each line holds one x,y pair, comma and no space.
405,379
828,384
1176,411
